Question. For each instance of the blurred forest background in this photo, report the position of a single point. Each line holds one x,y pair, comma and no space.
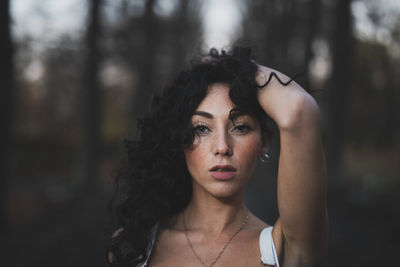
74,76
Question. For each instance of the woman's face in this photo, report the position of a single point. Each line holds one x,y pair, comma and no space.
224,151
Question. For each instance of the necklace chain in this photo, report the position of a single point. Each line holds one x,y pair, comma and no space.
224,247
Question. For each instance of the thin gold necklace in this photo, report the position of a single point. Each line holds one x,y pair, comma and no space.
224,247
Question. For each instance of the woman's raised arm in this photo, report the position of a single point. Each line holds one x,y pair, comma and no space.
301,231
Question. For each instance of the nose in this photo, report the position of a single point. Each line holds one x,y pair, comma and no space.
222,145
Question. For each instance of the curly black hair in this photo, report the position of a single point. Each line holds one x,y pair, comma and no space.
156,184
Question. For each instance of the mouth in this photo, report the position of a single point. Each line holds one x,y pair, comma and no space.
223,172
222,168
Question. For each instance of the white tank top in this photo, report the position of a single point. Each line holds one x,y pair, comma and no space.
267,247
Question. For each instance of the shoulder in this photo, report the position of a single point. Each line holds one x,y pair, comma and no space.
255,228
255,223
268,240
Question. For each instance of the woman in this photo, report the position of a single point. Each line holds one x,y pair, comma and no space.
184,187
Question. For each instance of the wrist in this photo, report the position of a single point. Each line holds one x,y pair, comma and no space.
302,112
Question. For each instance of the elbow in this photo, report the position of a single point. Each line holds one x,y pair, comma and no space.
302,111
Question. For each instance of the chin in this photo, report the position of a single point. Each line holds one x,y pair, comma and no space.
225,191
220,189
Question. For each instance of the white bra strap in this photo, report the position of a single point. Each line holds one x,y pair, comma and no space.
267,247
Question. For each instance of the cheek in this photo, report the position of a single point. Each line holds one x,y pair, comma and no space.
249,152
190,157
194,158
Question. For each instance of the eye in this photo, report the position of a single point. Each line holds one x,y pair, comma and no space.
241,128
200,129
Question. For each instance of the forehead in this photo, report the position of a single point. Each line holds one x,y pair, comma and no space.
217,100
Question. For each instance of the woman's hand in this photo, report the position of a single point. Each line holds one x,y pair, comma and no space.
290,106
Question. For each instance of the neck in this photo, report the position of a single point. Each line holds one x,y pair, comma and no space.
214,216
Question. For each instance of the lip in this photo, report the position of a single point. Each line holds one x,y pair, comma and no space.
223,172
224,167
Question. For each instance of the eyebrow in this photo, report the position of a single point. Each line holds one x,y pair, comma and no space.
203,114
233,114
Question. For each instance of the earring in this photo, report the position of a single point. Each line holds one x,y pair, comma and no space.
264,157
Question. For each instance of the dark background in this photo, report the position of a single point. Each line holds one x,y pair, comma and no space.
67,101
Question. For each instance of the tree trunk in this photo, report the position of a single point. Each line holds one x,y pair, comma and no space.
6,106
281,23
388,118
92,99
181,23
147,60
314,19
342,47
272,32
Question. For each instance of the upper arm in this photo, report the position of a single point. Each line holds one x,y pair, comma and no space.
302,226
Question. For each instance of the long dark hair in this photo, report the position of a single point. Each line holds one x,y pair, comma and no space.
156,184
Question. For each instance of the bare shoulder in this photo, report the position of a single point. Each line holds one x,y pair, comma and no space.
253,229
255,223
